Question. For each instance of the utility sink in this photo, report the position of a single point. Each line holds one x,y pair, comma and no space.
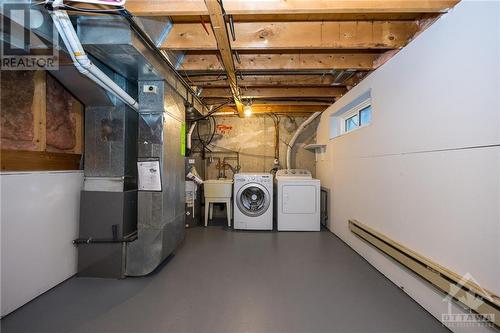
218,188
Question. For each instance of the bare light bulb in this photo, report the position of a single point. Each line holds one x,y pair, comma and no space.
247,110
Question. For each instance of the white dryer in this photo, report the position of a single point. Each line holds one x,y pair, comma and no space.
253,201
298,206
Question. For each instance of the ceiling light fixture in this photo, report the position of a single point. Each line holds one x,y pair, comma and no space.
247,109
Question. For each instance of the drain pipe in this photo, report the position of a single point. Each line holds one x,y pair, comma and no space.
81,60
295,136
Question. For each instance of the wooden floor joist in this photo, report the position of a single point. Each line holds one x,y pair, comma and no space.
325,47
222,41
280,108
245,7
314,61
313,17
282,92
298,35
274,80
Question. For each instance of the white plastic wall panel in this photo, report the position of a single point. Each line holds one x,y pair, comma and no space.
39,220
426,171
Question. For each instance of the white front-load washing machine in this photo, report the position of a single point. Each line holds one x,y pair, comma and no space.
253,201
298,206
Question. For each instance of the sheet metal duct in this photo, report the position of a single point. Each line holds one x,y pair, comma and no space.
157,27
111,141
111,40
162,99
109,198
81,87
111,209
160,214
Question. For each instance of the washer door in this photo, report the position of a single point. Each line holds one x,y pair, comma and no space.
253,199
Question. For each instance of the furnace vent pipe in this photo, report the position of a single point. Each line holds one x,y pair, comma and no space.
295,136
190,135
81,60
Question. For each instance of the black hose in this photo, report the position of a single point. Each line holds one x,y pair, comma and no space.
215,109
213,129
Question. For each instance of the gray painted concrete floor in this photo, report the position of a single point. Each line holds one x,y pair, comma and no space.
226,281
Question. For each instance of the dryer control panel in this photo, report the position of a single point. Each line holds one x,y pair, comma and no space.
294,173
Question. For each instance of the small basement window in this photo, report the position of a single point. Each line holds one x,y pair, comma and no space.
354,115
361,118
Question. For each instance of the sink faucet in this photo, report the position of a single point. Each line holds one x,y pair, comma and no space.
233,169
222,166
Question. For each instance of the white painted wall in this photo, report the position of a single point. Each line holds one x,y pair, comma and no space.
418,173
39,220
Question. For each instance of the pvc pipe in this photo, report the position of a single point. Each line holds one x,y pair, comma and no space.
190,135
296,135
83,63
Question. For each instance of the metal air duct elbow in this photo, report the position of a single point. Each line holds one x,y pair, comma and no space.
295,136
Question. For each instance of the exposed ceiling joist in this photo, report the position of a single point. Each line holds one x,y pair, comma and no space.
272,92
297,101
287,51
280,108
275,80
245,7
222,40
324,61
297,35
314,17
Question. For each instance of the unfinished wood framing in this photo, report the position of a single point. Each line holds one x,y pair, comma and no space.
222,40
312,41
271,61
48,111
283,92
313,17
297,35
79,119
39,108
245,7
299,109
275,80
21,160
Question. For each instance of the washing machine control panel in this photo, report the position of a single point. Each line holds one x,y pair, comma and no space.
264,178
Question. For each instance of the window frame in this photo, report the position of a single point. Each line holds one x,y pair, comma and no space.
337,123
356,110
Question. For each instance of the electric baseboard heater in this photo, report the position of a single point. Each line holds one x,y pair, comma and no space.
461,289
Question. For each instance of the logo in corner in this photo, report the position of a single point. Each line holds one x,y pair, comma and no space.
472,317
28,39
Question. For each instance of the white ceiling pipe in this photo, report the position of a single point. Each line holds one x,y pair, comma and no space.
190,135
295,136
82,62
77,65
